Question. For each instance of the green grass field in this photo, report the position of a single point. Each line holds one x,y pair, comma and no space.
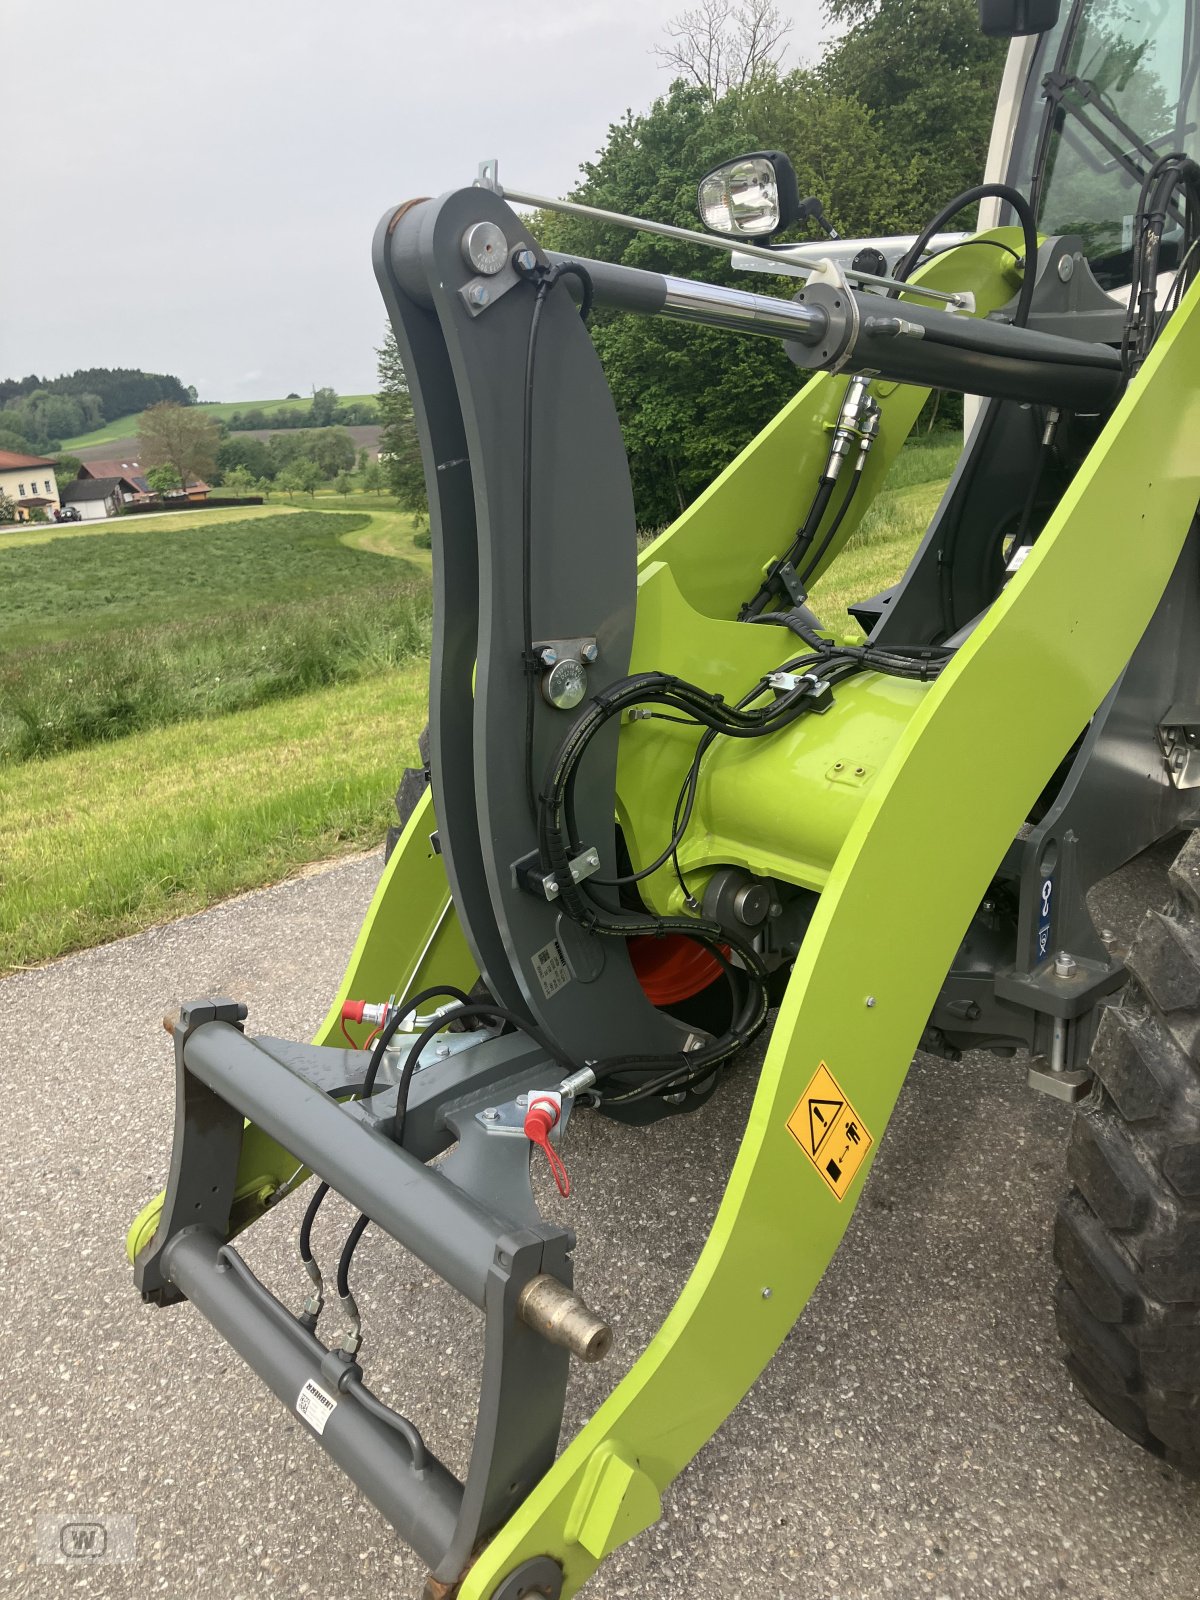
110,840
234,694
126,427
106,634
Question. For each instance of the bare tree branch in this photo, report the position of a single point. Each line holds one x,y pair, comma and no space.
720,45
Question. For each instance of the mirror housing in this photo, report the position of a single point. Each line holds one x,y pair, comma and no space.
1010,19
754,196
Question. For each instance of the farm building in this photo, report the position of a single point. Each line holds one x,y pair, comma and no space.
134,474
29,482
99,497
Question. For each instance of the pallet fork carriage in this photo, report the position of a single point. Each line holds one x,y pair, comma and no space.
896,852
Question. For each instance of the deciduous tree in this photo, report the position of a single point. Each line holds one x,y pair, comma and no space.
181,437
399,451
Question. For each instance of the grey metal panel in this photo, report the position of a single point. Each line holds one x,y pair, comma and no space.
423,1506
583,585
447,1229
455,577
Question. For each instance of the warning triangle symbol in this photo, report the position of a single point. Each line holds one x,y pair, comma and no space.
822,1114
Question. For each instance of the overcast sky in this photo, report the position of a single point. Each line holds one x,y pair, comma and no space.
193,188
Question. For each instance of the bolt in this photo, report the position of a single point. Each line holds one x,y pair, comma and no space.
522,1099
1107,936
1065,966
549,656
478,295
525,260
552,885
490,1114
870,1002
1066,268
766,1294
589,652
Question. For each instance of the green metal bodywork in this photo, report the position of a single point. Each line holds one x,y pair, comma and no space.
901,852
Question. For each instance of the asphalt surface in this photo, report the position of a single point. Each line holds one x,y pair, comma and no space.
916,1436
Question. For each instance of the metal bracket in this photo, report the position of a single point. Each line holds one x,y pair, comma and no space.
508,1118
1179,740
545,885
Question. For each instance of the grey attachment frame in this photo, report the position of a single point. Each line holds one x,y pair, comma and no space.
472,1219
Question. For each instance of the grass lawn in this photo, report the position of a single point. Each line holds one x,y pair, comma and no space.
282,650
146,622
881,547
110,840
127,427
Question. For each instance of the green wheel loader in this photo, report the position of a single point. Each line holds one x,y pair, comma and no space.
668,806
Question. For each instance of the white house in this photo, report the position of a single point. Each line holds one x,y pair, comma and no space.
29,482
98,497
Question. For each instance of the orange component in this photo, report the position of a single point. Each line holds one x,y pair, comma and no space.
672,968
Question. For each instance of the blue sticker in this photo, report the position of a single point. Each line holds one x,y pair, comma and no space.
1045,898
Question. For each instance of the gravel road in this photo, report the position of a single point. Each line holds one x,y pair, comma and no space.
915,1437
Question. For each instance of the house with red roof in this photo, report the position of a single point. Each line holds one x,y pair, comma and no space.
29,482
134,475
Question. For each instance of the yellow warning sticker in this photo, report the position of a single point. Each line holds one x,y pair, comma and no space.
830,1132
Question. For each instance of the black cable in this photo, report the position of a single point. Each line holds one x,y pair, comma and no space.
392,1025
454,1014
831,532
981,191
347,1255
310,1216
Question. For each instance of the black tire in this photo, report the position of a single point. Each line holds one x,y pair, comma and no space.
413,783
1128,1235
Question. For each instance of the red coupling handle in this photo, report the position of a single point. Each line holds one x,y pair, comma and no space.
543,1113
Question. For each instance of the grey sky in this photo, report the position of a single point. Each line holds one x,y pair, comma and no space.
193,188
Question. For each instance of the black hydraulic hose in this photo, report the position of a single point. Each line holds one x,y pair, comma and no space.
981,191
804,536
392,1025
469,1008
814,561
347,1255
310,1216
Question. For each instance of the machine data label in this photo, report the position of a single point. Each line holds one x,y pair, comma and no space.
830,1132
315,1406
552,971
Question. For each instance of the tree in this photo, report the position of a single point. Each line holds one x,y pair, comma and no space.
324,408
332,449
8,509
309,476
343,483
11,440
399,450
66,468
181,437
720,45
930,77
240,480
372,478
252,454
164,480
364,455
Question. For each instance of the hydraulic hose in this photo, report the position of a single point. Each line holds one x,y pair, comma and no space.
981,191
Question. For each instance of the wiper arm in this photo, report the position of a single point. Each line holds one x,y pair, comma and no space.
1061,90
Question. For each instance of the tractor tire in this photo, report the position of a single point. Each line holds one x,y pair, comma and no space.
413,783
1127,1237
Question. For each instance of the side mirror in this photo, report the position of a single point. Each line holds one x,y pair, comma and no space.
753,197
1007,19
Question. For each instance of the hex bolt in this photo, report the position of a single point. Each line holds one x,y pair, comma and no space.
478,295
766,1294
1065,966
549,656
524,260
870,1002
490,1114
590,652
552,885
